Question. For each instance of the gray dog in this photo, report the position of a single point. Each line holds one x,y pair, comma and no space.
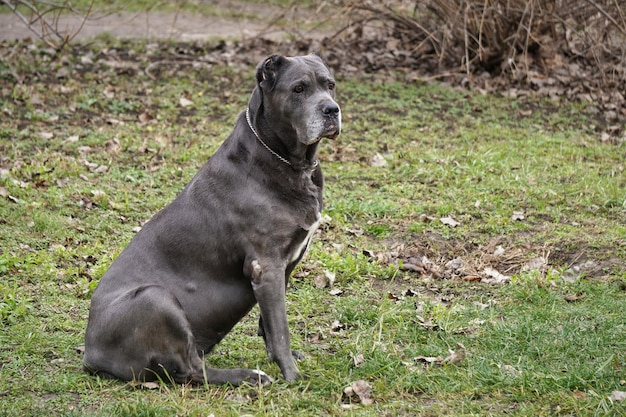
229,240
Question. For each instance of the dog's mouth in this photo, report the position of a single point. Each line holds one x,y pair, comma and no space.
331,132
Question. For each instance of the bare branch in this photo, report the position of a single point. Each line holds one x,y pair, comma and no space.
608,16
27,22
46,15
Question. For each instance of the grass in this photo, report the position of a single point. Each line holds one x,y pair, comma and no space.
551,342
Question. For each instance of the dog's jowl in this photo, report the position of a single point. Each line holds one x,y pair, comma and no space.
228,241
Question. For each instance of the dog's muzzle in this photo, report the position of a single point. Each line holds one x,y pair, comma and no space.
332,120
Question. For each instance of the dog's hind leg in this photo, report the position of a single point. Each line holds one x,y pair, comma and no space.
144,335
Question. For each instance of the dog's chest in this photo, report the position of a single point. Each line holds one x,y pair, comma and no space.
303,245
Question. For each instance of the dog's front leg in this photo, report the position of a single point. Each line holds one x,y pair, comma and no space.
268,284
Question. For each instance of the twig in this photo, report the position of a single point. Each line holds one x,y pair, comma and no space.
466,38
480,30
82,23
608,16
528,34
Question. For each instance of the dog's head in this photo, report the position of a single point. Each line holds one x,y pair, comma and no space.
298,95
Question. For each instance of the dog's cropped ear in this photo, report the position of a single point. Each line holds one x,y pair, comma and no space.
266,71
317,55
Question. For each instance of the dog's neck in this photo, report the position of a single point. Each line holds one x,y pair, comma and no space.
305,159
280,158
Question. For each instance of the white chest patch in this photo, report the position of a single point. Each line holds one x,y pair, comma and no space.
304,245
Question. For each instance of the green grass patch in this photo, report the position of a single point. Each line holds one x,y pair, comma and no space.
85,160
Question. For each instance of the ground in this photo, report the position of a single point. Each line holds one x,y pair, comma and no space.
471,261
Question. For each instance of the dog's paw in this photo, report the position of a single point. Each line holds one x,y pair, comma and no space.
295,377
258,377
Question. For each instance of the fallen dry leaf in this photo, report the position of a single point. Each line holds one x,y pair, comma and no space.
483,306
330,277
400,297
455,357
449,221
429,359
337,325
358,359
114,122
149,385
570,298
109,91
472,278
536,264
361,390
63,73
395,297
466,330
428,323
83,150
112,146
355,231
618,396
316,337
144,385
499,250
145,117
452,359
71,139
518,216
509,369
185,102
378,161
320,281
408,266
494,277
14,199
455,264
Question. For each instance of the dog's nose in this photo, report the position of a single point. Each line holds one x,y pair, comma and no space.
330,109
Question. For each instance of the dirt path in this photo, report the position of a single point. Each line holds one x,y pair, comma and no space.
158,25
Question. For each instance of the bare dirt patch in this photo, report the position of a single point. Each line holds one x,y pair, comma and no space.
232,20
149,25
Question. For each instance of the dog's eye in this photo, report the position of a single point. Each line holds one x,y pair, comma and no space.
298,88
331,86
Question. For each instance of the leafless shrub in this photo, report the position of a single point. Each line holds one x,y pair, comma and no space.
496,35
42,18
